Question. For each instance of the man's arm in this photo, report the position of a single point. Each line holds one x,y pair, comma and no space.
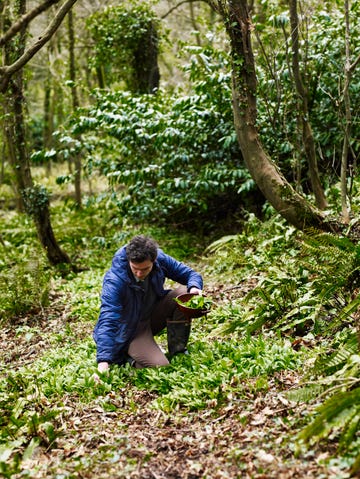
180,272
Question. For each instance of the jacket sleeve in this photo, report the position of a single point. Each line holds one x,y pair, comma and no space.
111,332
179,272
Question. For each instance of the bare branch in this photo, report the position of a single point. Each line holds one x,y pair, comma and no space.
24,20
9,70
177,6
354,64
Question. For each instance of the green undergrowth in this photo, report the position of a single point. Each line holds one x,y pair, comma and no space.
305,287
35,397
284,301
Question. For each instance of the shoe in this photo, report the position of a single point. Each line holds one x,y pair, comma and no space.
130,361
183,351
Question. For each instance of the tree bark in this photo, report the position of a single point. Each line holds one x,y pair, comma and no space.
48,115
347,129
75,105
307,134
17,64
31,199
280,194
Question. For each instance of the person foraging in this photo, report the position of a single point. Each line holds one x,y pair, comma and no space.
135,307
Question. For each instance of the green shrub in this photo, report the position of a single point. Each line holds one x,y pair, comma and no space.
25,287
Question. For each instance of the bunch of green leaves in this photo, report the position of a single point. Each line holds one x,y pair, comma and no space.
176,155
121,34
196,302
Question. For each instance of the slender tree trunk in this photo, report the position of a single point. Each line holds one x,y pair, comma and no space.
31,199
194,24
48,119
271,182
100,76
2,167
75,105
307,134
347,129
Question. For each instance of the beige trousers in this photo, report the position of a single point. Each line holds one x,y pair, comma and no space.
143,348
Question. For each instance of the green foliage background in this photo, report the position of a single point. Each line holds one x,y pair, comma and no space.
242,344
174,170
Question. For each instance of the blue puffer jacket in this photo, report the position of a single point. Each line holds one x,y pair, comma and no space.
121,302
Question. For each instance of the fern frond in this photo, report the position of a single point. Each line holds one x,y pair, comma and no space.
349,432
335,413
306,394
349,309
317,240
329,364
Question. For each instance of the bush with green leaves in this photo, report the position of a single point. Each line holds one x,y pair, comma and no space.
126,44
322,57
168,157
25,287
308,286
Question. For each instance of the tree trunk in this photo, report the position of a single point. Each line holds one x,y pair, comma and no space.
280,194
100,76
34,204
27,197
145,63
75,105
347,132
194,24
307,134
48,119
14,114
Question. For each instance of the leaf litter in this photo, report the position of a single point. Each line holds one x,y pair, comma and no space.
249,438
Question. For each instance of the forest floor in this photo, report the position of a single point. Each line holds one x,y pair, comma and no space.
246,438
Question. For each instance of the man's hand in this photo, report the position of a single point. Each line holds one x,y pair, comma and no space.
196,291
102,367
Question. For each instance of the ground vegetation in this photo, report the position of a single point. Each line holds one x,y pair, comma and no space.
216,156
268,390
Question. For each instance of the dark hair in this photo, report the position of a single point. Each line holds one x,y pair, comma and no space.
141,248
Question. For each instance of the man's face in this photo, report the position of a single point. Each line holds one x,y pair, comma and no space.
141,270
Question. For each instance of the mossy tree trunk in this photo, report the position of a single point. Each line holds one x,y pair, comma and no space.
31,199
145,62
276,189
